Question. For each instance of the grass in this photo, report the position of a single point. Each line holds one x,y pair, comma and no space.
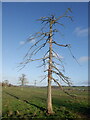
31,103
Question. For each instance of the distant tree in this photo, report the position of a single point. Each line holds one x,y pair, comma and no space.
23,80
51,58
5,83
35,83
10,85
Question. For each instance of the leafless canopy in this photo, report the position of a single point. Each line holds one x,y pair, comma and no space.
42,38
23,80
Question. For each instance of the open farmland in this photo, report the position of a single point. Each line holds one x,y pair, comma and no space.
31,103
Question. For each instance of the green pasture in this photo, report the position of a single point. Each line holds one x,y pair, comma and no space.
30,102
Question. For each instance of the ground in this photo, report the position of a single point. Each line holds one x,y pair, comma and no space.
30,102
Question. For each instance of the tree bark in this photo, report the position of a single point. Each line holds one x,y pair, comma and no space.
49,97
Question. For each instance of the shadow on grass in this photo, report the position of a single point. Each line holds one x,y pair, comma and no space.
73,106
41,98
26,101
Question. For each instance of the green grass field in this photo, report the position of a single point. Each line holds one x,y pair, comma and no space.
31,103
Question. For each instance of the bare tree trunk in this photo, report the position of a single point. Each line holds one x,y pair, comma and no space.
49,97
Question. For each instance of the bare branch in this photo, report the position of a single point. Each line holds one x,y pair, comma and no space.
30,60
46,53
21,67
42,65
35,36
63,89
56,68
61,45
44,78
40,59
64,78
44,26
43,19
57,83
43,45
55,63
55,30
60,24
57,56
64,14
32,47
70,10
45,70
36,50
70,17
73,55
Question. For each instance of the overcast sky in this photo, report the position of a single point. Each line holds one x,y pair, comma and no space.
19,22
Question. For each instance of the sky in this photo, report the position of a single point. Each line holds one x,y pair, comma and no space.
19,21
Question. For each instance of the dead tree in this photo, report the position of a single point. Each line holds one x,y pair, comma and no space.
23,80
51,57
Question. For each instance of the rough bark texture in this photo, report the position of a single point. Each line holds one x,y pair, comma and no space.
49,98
